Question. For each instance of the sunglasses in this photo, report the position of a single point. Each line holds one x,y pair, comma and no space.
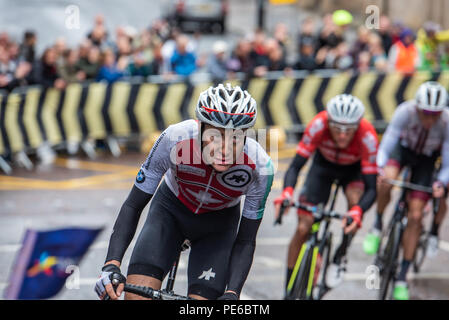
343,127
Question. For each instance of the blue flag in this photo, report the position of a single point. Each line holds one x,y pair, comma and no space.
40,270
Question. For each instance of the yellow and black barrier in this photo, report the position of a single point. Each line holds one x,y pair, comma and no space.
34,115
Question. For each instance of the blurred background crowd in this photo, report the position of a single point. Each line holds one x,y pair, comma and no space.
162,49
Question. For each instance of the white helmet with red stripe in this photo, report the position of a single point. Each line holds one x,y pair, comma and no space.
227,107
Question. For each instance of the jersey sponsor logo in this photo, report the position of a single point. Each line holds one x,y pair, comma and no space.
140,176
192,170
206,275
316,126
370,142
306,139
203,197
236,178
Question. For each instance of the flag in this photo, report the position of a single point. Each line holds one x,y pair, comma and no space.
45,261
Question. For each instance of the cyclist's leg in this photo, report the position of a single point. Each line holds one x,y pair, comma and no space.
212,236
158,244
391,171
421,175
353,189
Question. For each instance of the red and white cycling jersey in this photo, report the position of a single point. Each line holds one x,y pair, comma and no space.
198,186
363,146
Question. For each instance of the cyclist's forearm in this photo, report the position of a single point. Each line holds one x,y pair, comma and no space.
291,176
126,224
242,254
369,195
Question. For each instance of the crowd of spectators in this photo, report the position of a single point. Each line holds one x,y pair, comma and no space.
163,50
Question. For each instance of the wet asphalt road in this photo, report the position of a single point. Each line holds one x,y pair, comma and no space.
81,192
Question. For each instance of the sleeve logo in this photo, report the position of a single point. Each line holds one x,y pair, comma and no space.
140,177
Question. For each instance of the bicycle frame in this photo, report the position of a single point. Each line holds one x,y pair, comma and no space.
316,243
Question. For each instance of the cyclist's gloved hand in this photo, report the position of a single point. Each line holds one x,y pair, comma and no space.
438,189
104,287
228,296
287,194
356,214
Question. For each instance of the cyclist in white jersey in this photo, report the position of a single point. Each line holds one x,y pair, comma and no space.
416,136
209,165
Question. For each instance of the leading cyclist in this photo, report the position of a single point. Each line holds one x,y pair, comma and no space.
416,136
345,147
208,165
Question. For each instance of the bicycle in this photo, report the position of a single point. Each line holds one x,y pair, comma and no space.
165,294
387,258
310,269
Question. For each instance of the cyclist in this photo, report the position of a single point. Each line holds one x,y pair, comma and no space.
209,165
415,137
344,147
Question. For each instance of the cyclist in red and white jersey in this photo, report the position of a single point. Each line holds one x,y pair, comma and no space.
344,146
208,165
416,136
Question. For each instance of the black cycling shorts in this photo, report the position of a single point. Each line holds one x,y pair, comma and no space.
168,224
422,167
322,174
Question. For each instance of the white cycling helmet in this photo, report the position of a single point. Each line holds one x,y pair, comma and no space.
431,96
227,107
345,109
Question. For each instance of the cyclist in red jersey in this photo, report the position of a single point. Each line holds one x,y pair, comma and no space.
344,146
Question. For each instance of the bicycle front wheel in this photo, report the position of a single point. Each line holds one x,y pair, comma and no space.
300,276
322,265
389,260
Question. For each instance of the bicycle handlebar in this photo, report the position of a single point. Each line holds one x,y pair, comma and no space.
317,211
148,292
409,185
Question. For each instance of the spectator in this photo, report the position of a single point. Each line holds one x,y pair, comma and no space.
306,59
59,49
70,70
378,55
110,70
339,57
364,61
361,44
7,69
241,60
385,32
281,35
307,35
330,36
276,60
139,65
259,52
429,37
403,55
158,59
168,49
45,71
216,64
183,61
99,34
27,51
91,63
